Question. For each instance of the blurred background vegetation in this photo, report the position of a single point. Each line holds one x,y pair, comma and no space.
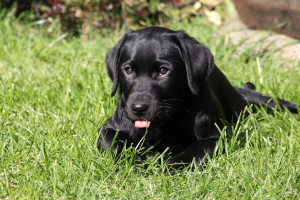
80,17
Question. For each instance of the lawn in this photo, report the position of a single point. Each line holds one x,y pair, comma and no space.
55,95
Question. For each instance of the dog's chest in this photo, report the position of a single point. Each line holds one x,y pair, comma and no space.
150,137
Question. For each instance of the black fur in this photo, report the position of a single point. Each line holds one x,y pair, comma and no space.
183,105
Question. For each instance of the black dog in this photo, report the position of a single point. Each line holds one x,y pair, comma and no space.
170,86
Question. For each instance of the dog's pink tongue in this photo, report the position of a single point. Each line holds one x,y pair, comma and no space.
142,123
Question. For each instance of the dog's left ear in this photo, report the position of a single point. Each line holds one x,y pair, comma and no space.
112,62
198,59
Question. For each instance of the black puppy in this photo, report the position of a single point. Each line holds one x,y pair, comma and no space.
170,86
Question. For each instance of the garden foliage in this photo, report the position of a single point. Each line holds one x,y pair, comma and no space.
83,16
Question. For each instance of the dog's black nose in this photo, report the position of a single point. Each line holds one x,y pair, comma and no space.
139,108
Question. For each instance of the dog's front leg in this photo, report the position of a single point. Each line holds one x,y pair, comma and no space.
197,152
115,140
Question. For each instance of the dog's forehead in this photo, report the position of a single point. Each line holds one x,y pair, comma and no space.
152,48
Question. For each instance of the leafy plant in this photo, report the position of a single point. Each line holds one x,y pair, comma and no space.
83,16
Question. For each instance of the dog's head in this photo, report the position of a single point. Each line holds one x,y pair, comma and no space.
157,69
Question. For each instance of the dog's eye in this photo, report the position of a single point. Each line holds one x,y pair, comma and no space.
163,71
128,70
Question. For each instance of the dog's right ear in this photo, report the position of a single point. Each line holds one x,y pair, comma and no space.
112,62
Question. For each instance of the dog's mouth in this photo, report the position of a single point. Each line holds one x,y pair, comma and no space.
142,123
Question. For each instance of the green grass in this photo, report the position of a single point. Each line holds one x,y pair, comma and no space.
55,94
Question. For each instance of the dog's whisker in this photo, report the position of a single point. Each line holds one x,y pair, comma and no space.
167,107
166,100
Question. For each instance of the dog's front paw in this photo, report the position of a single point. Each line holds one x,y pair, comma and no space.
138,159
176,162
